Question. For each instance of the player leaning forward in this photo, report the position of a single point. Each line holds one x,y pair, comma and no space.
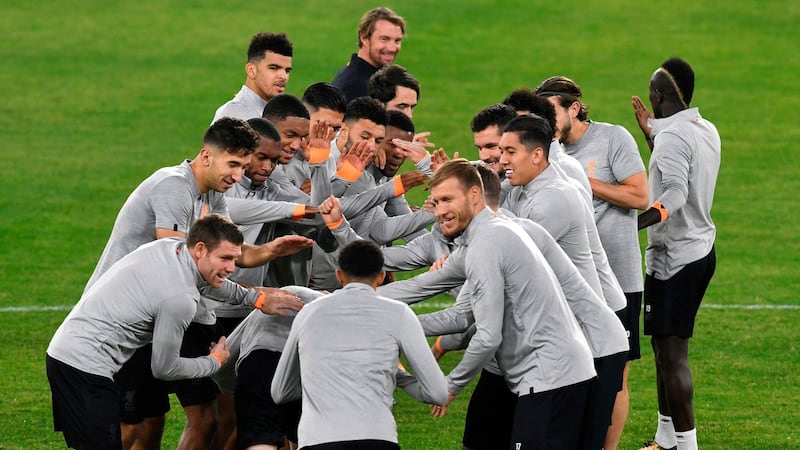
150,295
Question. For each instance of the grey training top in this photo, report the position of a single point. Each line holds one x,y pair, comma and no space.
609,154
245,105
345,348
519,309
683,174
148,296
169,198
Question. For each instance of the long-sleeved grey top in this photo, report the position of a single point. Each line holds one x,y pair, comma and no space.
683,175
341,356
150,295
609,154
519,309
555,203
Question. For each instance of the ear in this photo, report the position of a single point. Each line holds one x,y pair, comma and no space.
574,109
379,279
200,250
364,39
250,69
340,276
206,156
537,155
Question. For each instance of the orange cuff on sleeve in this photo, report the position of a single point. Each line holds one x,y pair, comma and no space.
337,224
661,209
299,212
349,172
398,187
438,345
262,296
318,155
216,356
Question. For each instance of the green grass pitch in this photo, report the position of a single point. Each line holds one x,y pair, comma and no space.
97,95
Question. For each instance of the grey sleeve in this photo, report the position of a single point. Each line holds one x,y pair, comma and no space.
432,385
250,211
225,378
542,212
624,158
486,286
172,204
397,206
320,183
424,285
286,385
352,205
171,321
416,254
673,158
457,341
231,292
385,229
455,319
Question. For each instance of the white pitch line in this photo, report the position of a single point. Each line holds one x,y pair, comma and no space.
427,305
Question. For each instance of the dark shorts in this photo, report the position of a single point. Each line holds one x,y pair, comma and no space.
601,398
629,316
143,395
670,306
550,419
490,414
258,419
196,342
86,407
228,324
366,444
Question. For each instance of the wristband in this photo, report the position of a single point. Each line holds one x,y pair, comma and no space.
661,210
299,212
349,172
398,187
216,356
318,155
262,296
438,345
335,225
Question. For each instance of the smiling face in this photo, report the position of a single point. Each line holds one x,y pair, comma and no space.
333,117
365,130
394,155
488,143
382,46
521,166
216,264
263,161
294,136
268,76
220,170
453,206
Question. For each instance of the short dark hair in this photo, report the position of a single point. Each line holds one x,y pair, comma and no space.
461,169
231,135
534,104
367,23
361,259
282,106
567,92
491,184
212,230
520,99
324,95
382,85
400,121
534,131
265,129
682,73
498,115
268,42
366,108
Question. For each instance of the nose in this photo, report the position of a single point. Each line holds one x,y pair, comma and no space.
238,173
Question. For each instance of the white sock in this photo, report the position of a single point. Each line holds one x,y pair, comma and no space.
665,434
687,440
